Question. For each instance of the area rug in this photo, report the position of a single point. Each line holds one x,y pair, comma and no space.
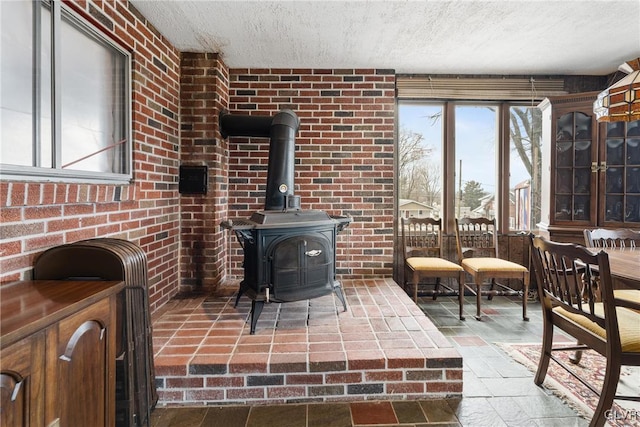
574,393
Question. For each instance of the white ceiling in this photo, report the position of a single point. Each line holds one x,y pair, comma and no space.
427,37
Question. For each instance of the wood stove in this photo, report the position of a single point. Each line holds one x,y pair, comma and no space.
289,253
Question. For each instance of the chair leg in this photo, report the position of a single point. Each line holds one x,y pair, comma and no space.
545,351
436,288
577,356
478,299
491,288
525,294
416,278
611,378
461,294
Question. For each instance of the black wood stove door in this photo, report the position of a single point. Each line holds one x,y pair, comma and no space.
302,267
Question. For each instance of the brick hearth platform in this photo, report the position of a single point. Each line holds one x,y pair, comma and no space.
382,347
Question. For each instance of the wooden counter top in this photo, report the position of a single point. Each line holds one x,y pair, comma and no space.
29,306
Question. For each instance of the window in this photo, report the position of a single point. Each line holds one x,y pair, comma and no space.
420,155
475,167
525,167
464,167
65,96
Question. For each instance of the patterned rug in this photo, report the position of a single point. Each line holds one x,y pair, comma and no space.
574,393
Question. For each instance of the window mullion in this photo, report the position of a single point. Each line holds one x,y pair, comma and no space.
449,168
56,90
37,85
503,194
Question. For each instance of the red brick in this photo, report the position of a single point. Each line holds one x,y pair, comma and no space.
205,395
184,382
246,393
224,381
285,392
444,387
10,215
18,193
43,242
380,376
42,212
344,378
453,374
304,379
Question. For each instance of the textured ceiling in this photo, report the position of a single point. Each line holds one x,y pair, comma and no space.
425,37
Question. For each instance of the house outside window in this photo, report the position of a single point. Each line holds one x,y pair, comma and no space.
65,105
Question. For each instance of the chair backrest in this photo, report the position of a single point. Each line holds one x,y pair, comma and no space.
575,278
476,237
620,238
422,237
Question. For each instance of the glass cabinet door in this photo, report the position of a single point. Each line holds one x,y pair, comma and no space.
574,153
622,172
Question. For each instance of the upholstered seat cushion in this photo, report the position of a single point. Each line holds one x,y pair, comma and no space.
484,264
429,263
628,294
628,324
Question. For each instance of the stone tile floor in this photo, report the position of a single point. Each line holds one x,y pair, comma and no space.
497,390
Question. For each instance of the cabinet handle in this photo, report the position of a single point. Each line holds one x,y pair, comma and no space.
16,390
595,168
314,252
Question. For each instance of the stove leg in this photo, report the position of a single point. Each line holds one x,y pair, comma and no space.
238,298
240,292
256,310
340,295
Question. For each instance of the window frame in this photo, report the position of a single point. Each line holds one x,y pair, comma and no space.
448,161
61,11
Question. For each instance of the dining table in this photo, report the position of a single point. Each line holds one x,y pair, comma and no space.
624,264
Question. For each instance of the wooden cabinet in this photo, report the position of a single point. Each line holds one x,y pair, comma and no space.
620,174
21,382
57,355
591,170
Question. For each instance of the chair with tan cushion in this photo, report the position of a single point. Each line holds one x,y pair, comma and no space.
423,258
612,238
566,275
477,244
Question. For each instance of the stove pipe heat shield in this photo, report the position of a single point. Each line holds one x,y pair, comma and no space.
281,129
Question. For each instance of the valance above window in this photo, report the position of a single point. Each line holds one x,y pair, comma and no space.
474,88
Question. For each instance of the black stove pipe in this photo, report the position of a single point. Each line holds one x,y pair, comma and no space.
281,129
237,125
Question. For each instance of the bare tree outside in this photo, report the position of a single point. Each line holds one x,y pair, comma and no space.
419,172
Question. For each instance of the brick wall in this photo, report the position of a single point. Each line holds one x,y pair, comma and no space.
344,165
39,215
204,84
344,154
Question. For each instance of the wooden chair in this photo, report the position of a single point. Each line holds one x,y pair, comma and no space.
477,244
566,274
619,238
423,258
614,238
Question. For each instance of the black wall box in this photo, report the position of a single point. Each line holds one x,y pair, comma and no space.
193,179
